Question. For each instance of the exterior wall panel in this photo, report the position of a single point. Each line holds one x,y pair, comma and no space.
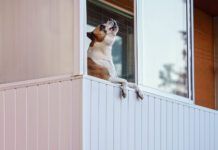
2,121
32,117
41,116
204,59
39,38
88,114
216,132
21,115
156,122
10,119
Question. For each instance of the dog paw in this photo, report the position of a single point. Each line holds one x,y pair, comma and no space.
140,94
123,92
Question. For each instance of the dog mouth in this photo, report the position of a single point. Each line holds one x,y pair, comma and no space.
113,24
113,28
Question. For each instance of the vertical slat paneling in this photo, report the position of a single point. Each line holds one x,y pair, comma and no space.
151,123
117,125
124,123
110,119
2,121
54,102
69,109
175,126
169,125
131,124
102,116
145,122
207,130
157,124
212,129
49,116
197,129
163,125
43,126
192,128
186,128
181,128
138,123
32,118
216,131
94,115
86,114
10,123
21,119
202,129
74,114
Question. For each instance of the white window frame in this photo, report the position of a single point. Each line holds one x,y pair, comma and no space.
79,35
191,98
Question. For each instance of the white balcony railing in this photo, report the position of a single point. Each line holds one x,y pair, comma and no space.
86,113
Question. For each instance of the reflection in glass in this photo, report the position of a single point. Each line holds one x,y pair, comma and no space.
164,53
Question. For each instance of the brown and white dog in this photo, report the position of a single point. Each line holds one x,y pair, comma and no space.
100,62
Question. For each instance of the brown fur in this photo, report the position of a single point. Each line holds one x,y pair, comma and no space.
96,35
97,70
99,35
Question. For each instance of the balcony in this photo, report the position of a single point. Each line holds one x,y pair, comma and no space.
86,113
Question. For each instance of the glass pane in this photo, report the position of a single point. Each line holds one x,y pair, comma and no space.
163,46
99,12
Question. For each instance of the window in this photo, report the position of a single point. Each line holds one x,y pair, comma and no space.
163,42
163,48
123,49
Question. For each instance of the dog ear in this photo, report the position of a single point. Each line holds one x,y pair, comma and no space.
91,35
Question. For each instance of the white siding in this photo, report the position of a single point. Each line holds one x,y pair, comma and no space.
2,121
131,120
216,132
10,119
42,117
152,124
88,114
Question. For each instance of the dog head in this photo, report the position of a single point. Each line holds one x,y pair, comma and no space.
104,33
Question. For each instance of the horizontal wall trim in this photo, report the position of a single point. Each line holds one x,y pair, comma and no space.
27,83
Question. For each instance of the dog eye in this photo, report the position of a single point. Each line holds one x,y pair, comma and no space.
102,27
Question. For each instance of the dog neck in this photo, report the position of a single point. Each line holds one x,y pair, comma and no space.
100,50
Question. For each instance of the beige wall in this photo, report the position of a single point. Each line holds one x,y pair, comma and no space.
36,38
216,56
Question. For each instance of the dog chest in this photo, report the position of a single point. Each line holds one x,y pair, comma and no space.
97,70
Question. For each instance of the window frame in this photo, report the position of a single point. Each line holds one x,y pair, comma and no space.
190,47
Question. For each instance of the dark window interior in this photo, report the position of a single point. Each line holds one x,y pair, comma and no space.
123,48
